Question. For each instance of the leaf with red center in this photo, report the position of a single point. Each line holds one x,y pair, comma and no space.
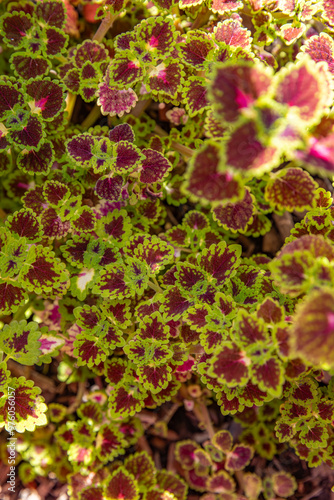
112,285
43,273
312,334
290,33
20,341
174,304
314,434
221,482
91,493
154,166
127,157
52,225
168,481
195,95
90,51
116,226
269,376
84,219
328,11
28,67
185,453
304,88
249,330
89,350
9,96
31,134
204,181
237,86
197,49
109,443
300,263
165,79
51,13
233,34
126,400
114,101
219,262
235,216
154,378
55,193
36,161
244,152
11,297
109,188
29,409
154,252
122,132
87,317
48,98
230,366
15,27
121,485
238,457
25,224
141,466
225,6
284,484
80,149
153,328
270,311
291,189
321,48
157,35
56,41
115,370
124,71
223,440
191,280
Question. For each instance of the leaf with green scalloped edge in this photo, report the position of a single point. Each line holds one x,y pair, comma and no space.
45,97
124,71
126,400
233,34
121,484
195,95
43,272
206,183
223,440
230,365
11,297
302,263
291,189
141,466
109,443
36,161
235,216
166,79
20,341
225,6
320,48
219,262
304,88
311,335
29,406
89,350
236,87
284,484
154,378
197,49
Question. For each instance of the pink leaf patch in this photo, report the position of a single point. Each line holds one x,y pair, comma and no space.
114,101
233,34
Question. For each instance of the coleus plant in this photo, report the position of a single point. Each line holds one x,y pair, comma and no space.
143,163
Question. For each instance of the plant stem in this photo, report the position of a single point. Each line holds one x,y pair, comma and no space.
92,117
70,103
202,413
201,19
140,107
155,287
78,398
184,150
20,313
104,27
